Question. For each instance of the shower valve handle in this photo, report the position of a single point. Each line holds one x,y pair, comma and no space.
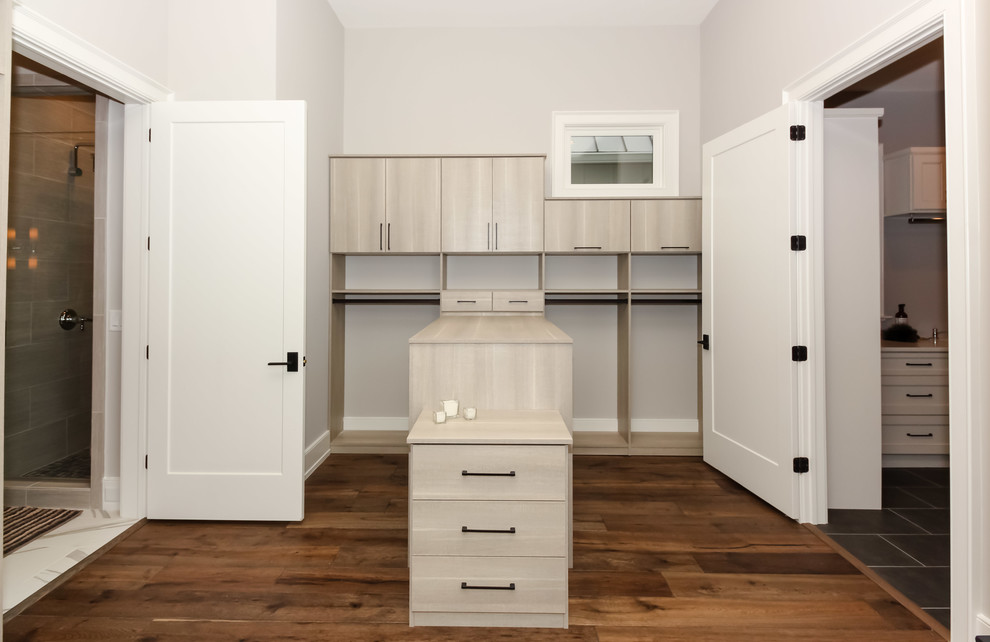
70,319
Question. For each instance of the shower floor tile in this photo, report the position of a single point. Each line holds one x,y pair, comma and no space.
75,466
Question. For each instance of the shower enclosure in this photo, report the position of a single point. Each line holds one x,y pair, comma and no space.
49,335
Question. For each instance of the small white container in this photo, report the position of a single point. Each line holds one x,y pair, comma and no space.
470,413
440,417
450,407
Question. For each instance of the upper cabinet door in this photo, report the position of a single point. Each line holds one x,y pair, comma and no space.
914,181
412,205
517,204
666,225
587,226
466,205
357,205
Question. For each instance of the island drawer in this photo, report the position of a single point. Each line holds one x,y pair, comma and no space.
478,528
492,472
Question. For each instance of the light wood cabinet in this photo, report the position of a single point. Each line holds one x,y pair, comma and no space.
672,225
489,520
492,204
380,205
586,226
914,181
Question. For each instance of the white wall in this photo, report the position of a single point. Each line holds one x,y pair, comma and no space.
752,50
221,49
133,31
310,67
448,91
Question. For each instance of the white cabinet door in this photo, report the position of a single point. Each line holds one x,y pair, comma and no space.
749,379
466,210
226,298
517,207
357,205
669,225
412,205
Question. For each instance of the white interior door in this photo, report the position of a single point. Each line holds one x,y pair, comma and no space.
749,380
227,284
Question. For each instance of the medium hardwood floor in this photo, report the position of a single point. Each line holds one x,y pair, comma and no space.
664,549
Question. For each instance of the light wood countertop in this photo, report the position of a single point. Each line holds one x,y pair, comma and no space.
454,328
526,427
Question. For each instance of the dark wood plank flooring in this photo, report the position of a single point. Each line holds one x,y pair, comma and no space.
664,548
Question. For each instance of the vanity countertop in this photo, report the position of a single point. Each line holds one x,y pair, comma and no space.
942,345
476,328
531,427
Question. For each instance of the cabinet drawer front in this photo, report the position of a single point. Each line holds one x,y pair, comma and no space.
920,364
490,584
916,439
517,301
466,301
474,528
898,398
666,226
488,472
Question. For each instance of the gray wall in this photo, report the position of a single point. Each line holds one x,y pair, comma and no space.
49,372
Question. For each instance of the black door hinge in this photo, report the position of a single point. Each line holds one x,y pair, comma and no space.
801,465
798,132
704,343
799,353
799,243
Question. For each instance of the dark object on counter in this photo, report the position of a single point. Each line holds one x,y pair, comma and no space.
901,316
901,332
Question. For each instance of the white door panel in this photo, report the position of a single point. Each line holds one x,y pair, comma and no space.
227,284
749,384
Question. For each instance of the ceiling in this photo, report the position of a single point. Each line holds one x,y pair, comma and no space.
378,14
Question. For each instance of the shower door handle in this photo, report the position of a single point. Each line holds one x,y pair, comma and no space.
291,362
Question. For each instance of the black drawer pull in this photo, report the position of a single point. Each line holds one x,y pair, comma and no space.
587,247
519,301
465,473
919,365
510,587
928,434
920,396
508,531
675,247
467,301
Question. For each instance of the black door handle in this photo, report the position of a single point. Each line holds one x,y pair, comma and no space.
291,362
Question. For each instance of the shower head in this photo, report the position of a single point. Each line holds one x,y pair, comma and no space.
74,169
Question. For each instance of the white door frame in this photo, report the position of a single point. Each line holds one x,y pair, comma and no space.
45,42
919,24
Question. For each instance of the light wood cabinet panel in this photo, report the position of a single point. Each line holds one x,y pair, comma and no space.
587,226
666,226
357,204
466,301
914,401
412,204
466,204
517,204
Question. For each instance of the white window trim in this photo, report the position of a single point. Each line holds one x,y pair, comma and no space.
663,126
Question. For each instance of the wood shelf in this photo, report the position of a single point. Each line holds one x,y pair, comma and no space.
665,443
370,441
599,443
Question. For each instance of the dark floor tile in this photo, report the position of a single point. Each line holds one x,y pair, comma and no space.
900,498
927,587
936,476
942,615
873,550
894,477
933,520
936,496
930,550
867,521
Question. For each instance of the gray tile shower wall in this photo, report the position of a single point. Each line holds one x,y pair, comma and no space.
48,385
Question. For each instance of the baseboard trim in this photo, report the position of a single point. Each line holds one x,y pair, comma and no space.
111,494
316,453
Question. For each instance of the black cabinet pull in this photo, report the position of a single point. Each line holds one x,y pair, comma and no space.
920,396
919,365
519,301
928,434
388,235
380,237
508,531
587,247
675,247
465,473
510,587
466,301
